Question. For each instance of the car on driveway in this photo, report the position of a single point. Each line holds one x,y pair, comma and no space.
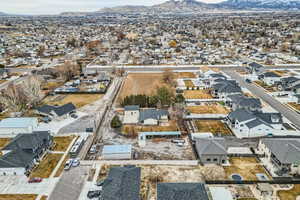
75,163
35,180
248,80
94,194
68,164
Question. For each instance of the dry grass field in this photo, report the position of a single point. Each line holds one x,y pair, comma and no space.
62,143
189,83
295,106
44,197
138,83
289,194
185,75
212,126
208,109
132,130
62,166
246,167
46,166
79,100
4,142
197,94
18,196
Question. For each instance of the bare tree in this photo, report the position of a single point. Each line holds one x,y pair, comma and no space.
68,70
32,89
169,77
14,98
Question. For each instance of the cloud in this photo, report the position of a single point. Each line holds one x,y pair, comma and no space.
58,6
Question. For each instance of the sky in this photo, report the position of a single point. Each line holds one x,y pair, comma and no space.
58,6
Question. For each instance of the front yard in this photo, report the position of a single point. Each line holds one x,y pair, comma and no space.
197,94
46,166
79,100
62,143
265,86
208,109
212,126
188,83
18,196
247,168
4,142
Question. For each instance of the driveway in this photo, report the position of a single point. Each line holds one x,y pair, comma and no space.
290,114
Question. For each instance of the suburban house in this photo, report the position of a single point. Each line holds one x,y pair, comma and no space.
255,68
55,112
287,83
240,101
181,191
224,88
252,124
14,126
150,116
212,150
270,78
282,155
22,153
122,183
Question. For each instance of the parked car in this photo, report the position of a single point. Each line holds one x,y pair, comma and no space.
94,194
93,149
35,180
248,80
89,130
68,164
178,141
100,183
74,116
75,163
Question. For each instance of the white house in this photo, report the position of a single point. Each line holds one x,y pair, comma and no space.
270,78
14,126
131,114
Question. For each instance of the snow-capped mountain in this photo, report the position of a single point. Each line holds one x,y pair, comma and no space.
262,4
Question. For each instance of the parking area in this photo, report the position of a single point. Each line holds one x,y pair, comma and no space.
20,185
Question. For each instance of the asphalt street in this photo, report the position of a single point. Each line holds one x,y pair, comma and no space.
290,114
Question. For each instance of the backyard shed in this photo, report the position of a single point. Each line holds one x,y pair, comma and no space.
117,152
14,126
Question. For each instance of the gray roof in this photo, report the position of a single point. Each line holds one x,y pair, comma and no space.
211,146
270,118
255,123
181,191
152,114
271,74
243,101
122,183
227,87
255,65
16,158
287,151
131,108
59,110
28,141
241,115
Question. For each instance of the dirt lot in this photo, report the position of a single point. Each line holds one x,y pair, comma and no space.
133,129
212,126
197,94
246,167
208,109
62,143
141,84
295,106
46,166
185,75
290,194
4,141
18,196
189,83
79,100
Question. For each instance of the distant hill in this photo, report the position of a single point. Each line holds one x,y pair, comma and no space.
3,14
193,6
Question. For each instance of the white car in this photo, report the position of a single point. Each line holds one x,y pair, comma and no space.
75,163
68,164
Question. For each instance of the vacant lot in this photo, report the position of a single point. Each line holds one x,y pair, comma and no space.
289,194
197,94
212,126
265,86
62,143
46,166
132,130
207,109
189,83
246,167
79,100
295,106
141,84
18,196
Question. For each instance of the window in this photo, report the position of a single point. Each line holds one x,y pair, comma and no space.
208,159
215,159
15,173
